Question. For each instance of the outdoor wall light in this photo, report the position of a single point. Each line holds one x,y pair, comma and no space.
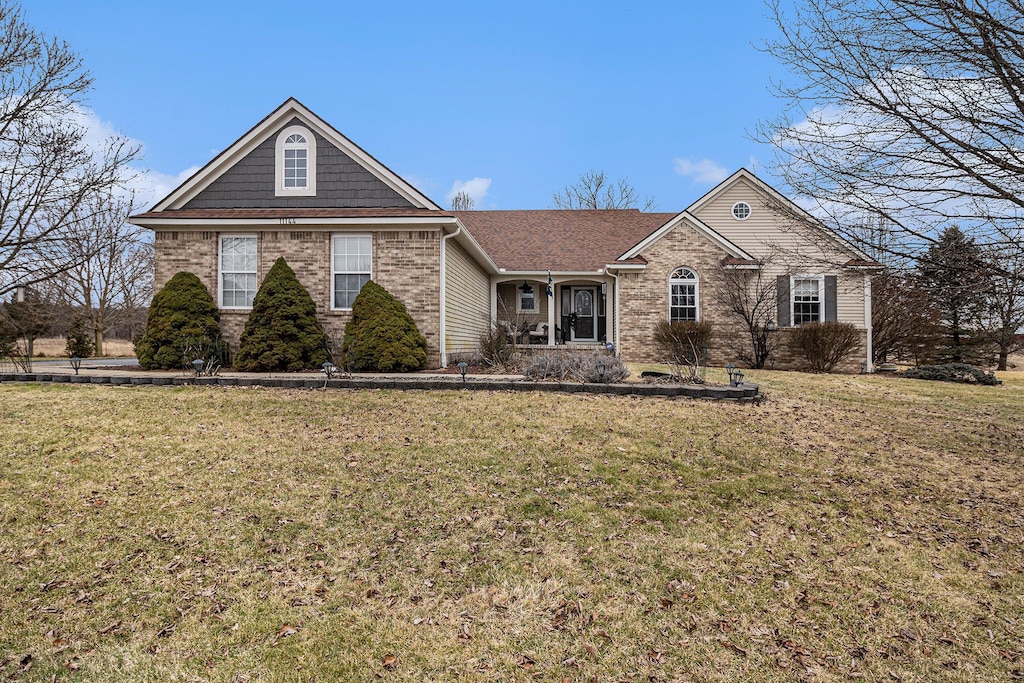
197,365
76,363
463,366
771,326
600,371
731,369
526,288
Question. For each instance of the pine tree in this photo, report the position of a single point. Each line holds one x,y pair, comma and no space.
183,314
282,332
954,273
382,336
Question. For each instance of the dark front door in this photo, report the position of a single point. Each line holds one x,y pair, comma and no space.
584,307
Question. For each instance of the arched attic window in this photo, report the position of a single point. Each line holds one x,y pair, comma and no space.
296,162
683,295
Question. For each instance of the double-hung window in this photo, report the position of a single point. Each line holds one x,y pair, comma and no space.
808,299
351,261
237,271
683,292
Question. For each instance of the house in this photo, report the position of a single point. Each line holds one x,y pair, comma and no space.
293,186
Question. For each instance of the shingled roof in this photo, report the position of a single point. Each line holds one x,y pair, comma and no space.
559,240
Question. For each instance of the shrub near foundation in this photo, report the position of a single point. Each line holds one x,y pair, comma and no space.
823,345
182,313
382,336
282,332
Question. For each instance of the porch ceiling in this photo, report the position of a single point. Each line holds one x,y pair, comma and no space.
559,240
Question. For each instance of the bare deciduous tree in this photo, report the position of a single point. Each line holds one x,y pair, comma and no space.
462,202
904,113
751,295
110,267
48,171
1006,307
595,190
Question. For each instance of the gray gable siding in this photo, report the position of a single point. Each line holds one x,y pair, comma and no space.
340,183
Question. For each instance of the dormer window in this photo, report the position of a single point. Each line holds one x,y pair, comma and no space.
296,162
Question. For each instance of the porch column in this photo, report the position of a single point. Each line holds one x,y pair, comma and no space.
551,313
494,302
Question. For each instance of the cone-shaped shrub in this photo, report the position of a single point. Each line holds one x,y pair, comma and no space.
182,315
382,336
282,332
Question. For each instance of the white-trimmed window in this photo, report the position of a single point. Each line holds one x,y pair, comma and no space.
351,261
526,298
296,162
807,299
237,271
683,293
741,211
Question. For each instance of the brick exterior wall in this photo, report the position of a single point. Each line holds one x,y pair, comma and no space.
405,262
644,299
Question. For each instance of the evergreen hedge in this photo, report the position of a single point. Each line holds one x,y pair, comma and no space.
382,336
282,332
182,315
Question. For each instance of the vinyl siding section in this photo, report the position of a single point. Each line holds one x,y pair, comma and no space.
794,250
467,304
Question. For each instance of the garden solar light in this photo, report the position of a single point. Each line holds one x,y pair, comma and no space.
738,377
328,368
197,365
463,366
76,363
730,368
600,371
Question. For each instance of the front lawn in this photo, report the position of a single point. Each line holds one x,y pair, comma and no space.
849,526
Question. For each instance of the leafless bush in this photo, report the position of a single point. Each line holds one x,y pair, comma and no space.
497,348
684,345
824,345
594,367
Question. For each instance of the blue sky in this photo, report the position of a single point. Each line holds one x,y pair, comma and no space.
526,96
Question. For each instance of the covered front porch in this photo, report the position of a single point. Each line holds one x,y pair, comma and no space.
563,311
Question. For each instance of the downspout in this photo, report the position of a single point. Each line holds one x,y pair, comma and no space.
868,367
443,343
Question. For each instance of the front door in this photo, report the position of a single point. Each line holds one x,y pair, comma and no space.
584,307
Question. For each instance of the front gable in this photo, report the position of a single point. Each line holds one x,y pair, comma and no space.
341,182
246,174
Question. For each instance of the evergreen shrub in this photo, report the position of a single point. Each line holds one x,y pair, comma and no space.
282,332
951,372
182,315
79,342
382,336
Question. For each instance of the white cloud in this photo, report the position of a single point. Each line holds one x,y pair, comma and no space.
705,171
475,188
149,186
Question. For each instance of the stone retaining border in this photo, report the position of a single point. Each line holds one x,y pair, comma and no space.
744,392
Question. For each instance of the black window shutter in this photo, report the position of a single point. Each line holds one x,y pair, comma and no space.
830,298
782,288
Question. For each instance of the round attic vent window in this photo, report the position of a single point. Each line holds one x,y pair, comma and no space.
741,211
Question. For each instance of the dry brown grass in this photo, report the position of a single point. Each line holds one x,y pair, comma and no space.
54,347
847,527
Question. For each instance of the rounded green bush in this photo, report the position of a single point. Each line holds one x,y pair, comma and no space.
382,336
182,315
282,332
